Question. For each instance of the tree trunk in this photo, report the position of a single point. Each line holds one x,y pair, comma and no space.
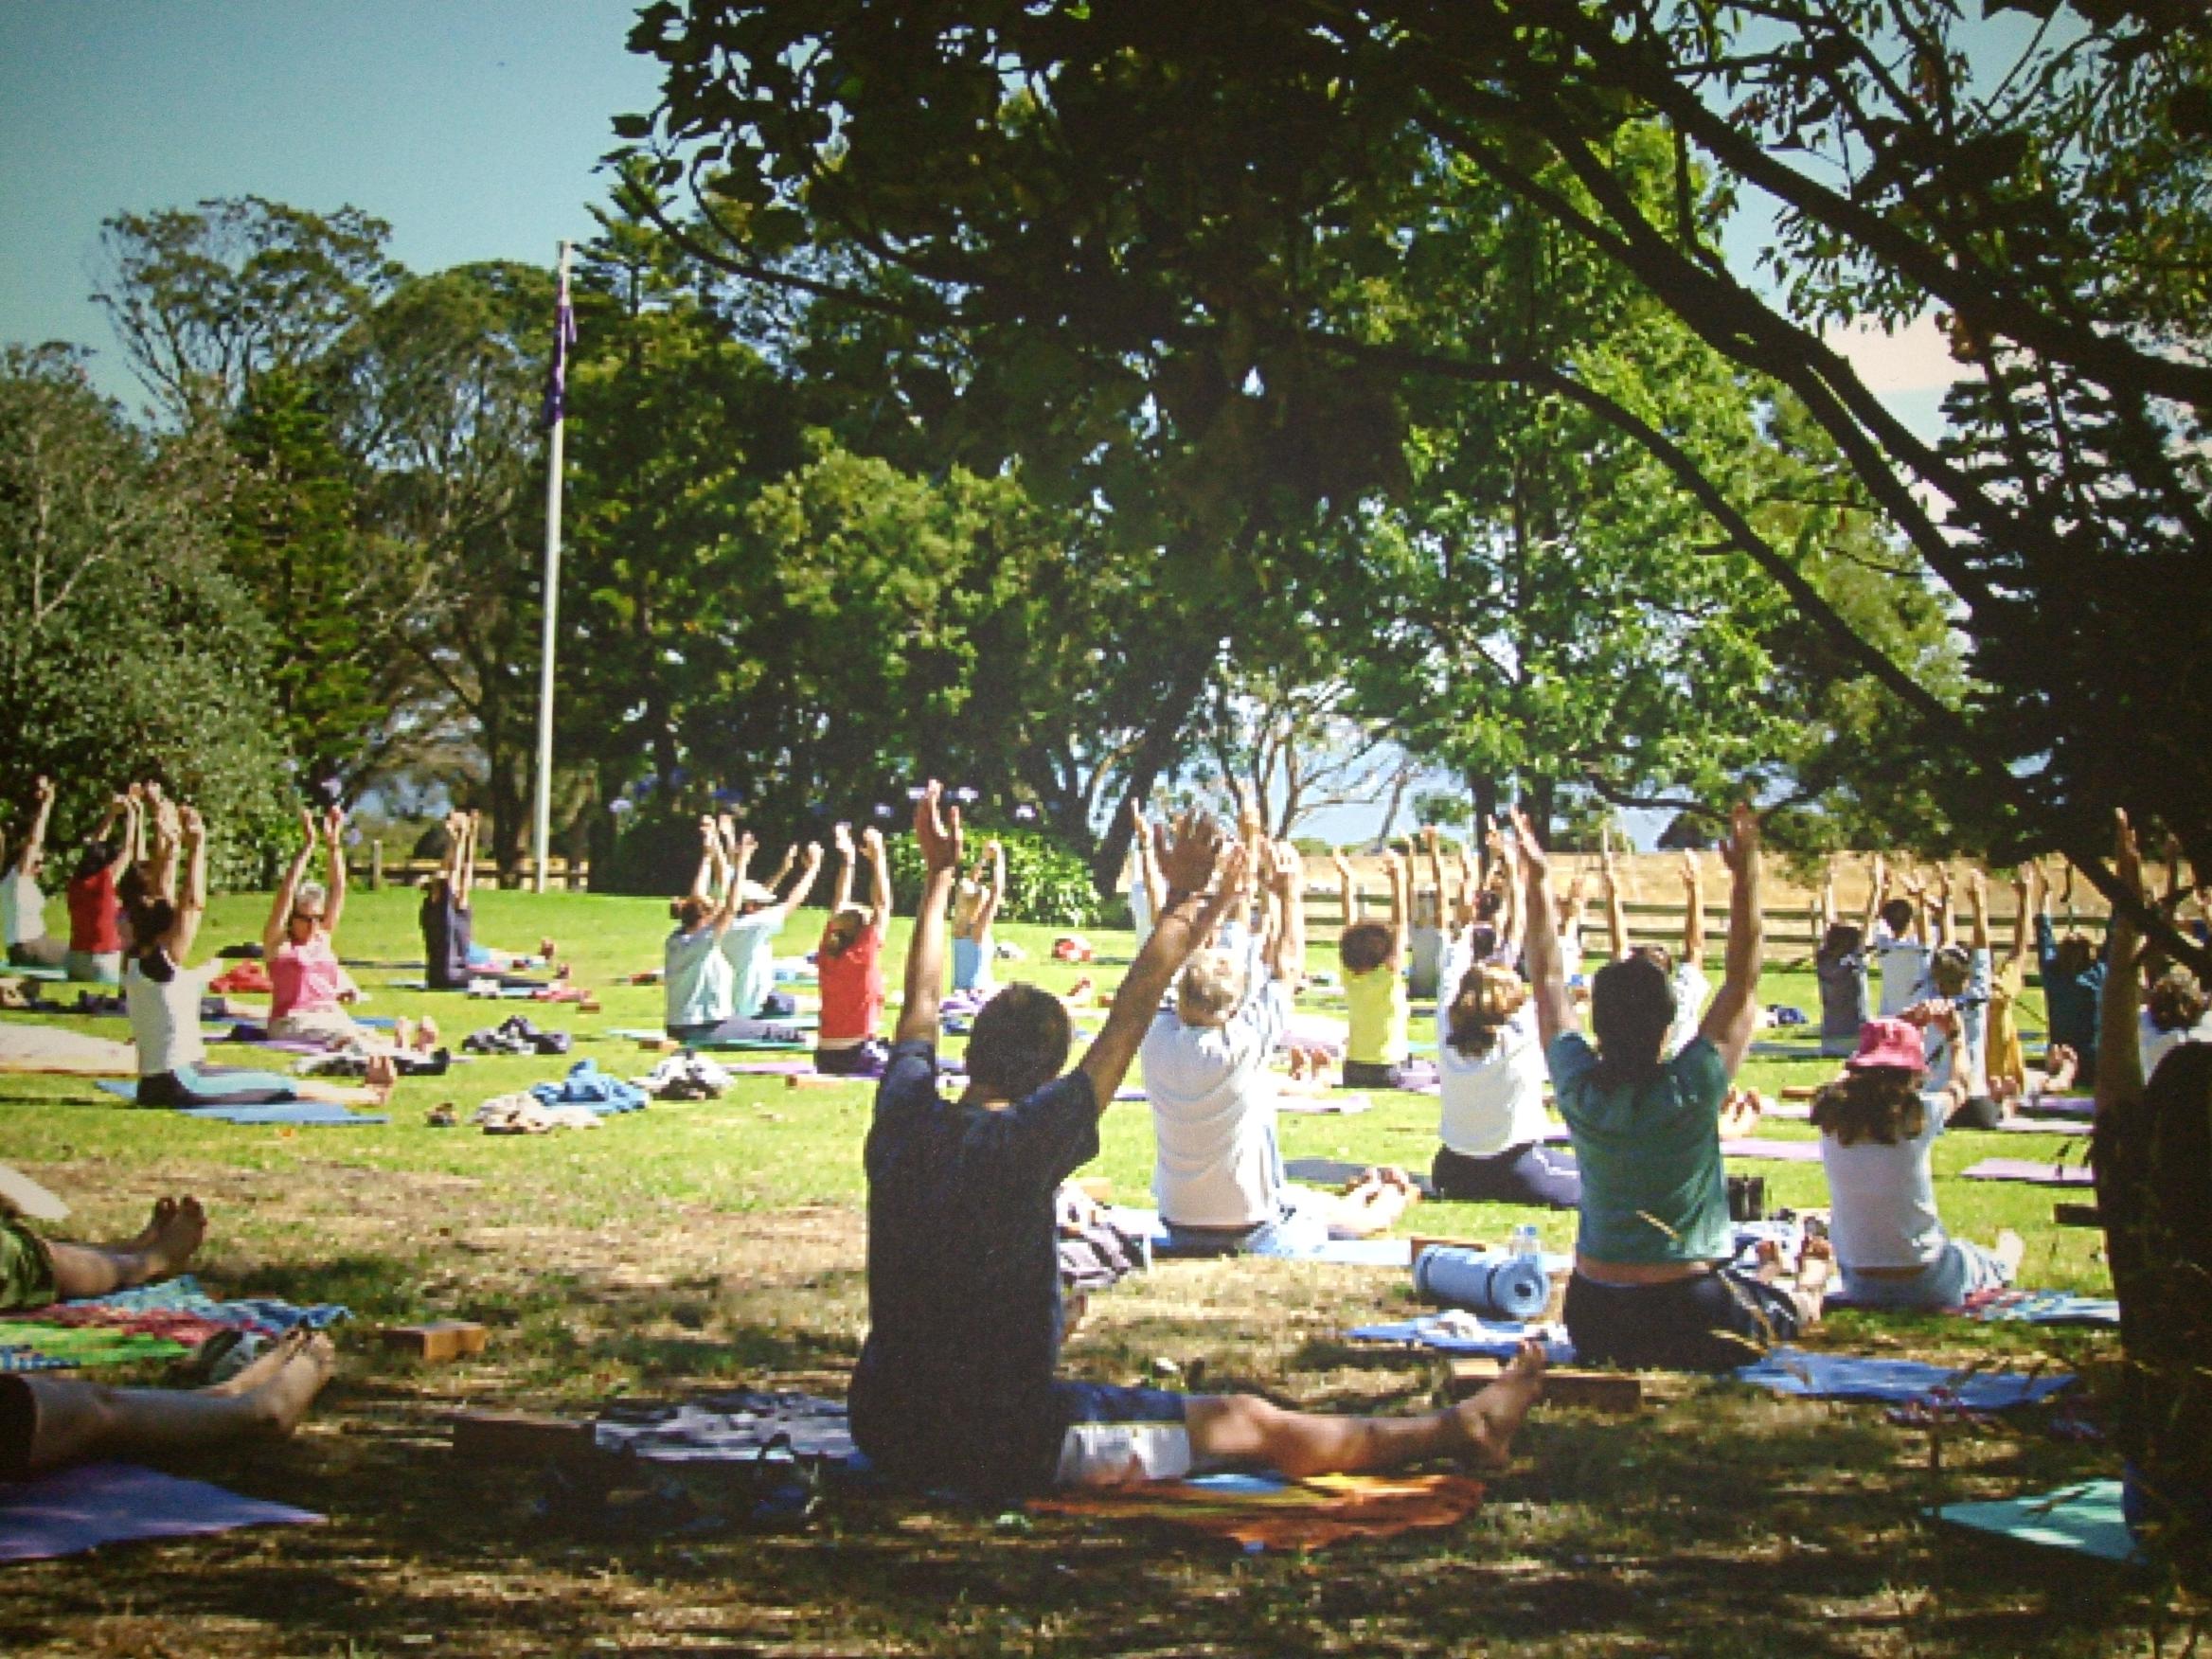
1482,788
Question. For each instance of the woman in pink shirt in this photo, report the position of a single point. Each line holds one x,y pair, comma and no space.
309,989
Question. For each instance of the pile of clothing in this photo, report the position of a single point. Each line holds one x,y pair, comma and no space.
686,1076
516,1034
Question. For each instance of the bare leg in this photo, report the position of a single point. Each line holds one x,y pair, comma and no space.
2012,1251
1243,1429
162,1249
81,1421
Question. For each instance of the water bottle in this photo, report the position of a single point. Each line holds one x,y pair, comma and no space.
1525,1245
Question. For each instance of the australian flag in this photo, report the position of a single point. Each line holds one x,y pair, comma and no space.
556,405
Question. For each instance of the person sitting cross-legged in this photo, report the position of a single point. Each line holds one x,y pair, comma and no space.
956,1385
848,965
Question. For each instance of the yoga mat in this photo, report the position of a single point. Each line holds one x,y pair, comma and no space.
55,1051
1813,1376
2043,1308
2060,1105
1388,1253
1777,1151
2086,1519
2031,1170
646,1034
1486,1283
33,1345
1789,1051
1460,1332
1330,1105
2036,1126
1266,1511
301,1111
72,1510
51,975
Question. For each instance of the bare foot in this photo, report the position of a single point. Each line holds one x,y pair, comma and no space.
262,1366
1489,1421
2012,1250
175,1238
281,1398
164,1208
403,1032
547,949
380,1073
426,1034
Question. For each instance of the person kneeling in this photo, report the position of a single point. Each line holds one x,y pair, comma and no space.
956,1382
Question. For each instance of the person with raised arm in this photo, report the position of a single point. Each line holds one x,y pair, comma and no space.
957,1381
848,962
1145,891
2004,1062
23,905
1373,956
749,941
453,959
1652,1284
695,975
1898,947
976,908
1959,979
96,939
2074,977
1840,962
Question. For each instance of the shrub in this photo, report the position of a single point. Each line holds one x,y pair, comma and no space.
1047,881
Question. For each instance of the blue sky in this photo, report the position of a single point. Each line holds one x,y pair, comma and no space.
472,126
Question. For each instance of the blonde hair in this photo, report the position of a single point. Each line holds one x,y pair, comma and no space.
1210,990
1489,995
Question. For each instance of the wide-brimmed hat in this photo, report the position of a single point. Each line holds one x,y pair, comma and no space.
1892,1043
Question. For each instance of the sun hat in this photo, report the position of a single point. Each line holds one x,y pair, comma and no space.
1891,1044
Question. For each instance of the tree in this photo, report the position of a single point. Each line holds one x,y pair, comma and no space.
129,653
207,299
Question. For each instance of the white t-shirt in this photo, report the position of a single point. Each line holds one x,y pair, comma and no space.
1882,1199
1691,988
1493,1101
1140,903
1213,1114
23,908
1904,969
1972,1006
750,945
165,1018
697,978
2157,1045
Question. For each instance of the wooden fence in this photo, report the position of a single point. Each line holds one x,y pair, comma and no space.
567,874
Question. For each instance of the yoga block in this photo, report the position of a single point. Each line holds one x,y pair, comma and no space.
501,1436
1610,1391
2077,1215
439,1340
1097,1189
816,1080
1800,1091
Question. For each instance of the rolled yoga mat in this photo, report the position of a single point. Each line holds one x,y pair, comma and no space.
1503,1287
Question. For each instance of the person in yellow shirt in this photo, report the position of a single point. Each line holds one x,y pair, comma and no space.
1374,955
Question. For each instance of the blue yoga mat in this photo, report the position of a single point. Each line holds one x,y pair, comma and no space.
72,1510
2086,1519
1788,1370
1394,1252
1485,1282
299,1112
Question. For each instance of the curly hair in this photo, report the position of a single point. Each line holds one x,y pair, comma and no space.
1874,1103
1366,946
1489,995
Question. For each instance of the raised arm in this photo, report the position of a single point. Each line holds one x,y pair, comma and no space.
1348,890
1401,906
995,891
1148,866
273,929
810,868
1734,1016
1693,899
191,905
1827,896
1977,905
334,840
2119,1049
936,831
1617,915
841,893
1188,864
125,844
1877,890
34,838
871,849
168,838
1512,900
1548,973
1287,879
709,858
1431,844
1942,921
733,860
2028,880
464,879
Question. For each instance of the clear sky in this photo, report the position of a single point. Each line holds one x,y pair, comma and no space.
472,126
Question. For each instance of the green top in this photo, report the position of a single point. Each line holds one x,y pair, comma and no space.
1652,1185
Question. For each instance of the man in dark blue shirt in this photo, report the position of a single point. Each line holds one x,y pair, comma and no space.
956,1385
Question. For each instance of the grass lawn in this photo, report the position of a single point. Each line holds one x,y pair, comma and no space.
693,1245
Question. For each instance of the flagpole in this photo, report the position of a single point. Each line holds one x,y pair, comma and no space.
543,819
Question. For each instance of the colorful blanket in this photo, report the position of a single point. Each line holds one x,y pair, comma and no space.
1269,1512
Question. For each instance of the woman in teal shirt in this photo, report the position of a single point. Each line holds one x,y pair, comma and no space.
1652,1285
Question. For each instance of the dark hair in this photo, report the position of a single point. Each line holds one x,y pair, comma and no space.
1949,968
2076,956
150,917
1019,1043
1366,946
1899,914
1841,939
1489,995
1488,902
1659,955
836,940
1873,1103
2176,1002
689,911
1632,1006
96,857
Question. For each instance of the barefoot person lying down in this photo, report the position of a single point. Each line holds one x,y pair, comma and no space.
956,1384
36,1271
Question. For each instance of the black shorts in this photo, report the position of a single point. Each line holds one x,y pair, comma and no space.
19,1425
1712,1322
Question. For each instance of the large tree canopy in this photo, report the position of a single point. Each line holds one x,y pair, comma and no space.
1173,197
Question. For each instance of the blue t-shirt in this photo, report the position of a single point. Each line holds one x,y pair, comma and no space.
750,945
1653,1190
2071,998
695,978
953,1386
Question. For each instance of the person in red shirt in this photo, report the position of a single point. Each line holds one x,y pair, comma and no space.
96,938
847,965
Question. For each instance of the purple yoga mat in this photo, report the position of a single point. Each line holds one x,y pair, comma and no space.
1779,1151
2032,1171
2060,1105
76,1509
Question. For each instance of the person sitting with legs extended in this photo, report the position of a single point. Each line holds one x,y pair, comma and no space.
957,1381
1373,954
96,941
749,942
975,907
23,906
